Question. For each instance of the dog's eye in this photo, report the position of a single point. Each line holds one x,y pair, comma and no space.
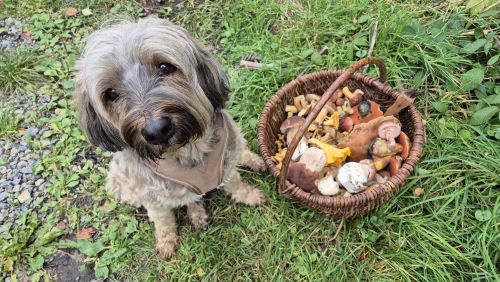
110,95
166,68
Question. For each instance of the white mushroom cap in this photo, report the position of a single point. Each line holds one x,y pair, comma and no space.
354,176
328,186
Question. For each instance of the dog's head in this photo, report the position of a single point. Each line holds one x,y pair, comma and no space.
147,86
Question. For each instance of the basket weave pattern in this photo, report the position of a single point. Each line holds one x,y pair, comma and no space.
325,82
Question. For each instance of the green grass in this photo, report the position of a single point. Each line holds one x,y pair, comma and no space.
8,122
451,233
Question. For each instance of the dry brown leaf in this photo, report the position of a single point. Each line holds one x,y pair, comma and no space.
71,11
85,233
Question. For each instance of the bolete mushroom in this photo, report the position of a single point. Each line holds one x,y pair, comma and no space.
381,148
290,127
301,148
334,156
381,162
328,186
362,136
394,165
354,177
290,109
404,140
305,172
389,130
300,102
353,97
346,124
371,165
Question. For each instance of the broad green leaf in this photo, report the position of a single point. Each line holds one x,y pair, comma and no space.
493,99
306,53
483,215
316,58
465,134
35,263
477,6
472,79
493,60
360,41
440,106
86,12
474,46
484,115
102,271
363,19
487,46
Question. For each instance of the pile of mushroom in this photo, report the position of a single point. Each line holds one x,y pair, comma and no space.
350,147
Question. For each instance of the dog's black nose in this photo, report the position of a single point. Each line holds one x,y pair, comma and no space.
158,131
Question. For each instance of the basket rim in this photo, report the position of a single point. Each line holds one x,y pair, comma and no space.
384,190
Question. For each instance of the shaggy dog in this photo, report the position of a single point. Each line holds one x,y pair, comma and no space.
153,95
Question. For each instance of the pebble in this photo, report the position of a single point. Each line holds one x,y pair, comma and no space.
3,196
25,196
39,182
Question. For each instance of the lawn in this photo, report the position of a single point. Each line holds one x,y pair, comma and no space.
54,210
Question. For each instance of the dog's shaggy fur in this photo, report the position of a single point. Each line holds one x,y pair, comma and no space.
120,88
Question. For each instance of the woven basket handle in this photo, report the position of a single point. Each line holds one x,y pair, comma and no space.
321,103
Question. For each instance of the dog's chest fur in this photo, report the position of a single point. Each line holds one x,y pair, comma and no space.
134,181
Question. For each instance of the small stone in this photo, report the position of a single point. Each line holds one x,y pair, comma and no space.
418,191
16,181
39,182
21,164
26,170
25,195
16,188
3,196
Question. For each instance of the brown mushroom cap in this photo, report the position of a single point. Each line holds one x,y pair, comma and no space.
394,165
302,177
346,124
291,122
404,140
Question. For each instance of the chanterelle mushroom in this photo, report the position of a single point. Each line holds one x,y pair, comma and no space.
334,156
389,130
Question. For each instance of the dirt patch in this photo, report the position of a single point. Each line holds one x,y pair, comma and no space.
65,267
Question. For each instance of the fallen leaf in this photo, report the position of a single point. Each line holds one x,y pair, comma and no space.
8,265
418,191
26,35
71,11
85,233
61,225
200,272
87,12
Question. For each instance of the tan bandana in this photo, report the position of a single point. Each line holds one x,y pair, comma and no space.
204,177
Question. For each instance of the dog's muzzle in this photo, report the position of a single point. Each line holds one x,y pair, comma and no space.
158,131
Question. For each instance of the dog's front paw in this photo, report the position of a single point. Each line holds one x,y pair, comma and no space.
166,243
253,161
252,197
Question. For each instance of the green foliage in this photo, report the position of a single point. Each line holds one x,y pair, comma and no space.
17,71
8,122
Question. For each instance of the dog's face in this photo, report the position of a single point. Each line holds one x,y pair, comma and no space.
147,86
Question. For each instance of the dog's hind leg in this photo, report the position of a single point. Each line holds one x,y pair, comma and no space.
252,160
167,239
242,192
198,215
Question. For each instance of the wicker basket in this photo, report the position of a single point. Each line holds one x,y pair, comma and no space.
328,82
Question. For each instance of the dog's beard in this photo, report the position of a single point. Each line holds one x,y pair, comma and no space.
186,128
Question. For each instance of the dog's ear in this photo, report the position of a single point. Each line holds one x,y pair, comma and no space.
100,132
212,79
